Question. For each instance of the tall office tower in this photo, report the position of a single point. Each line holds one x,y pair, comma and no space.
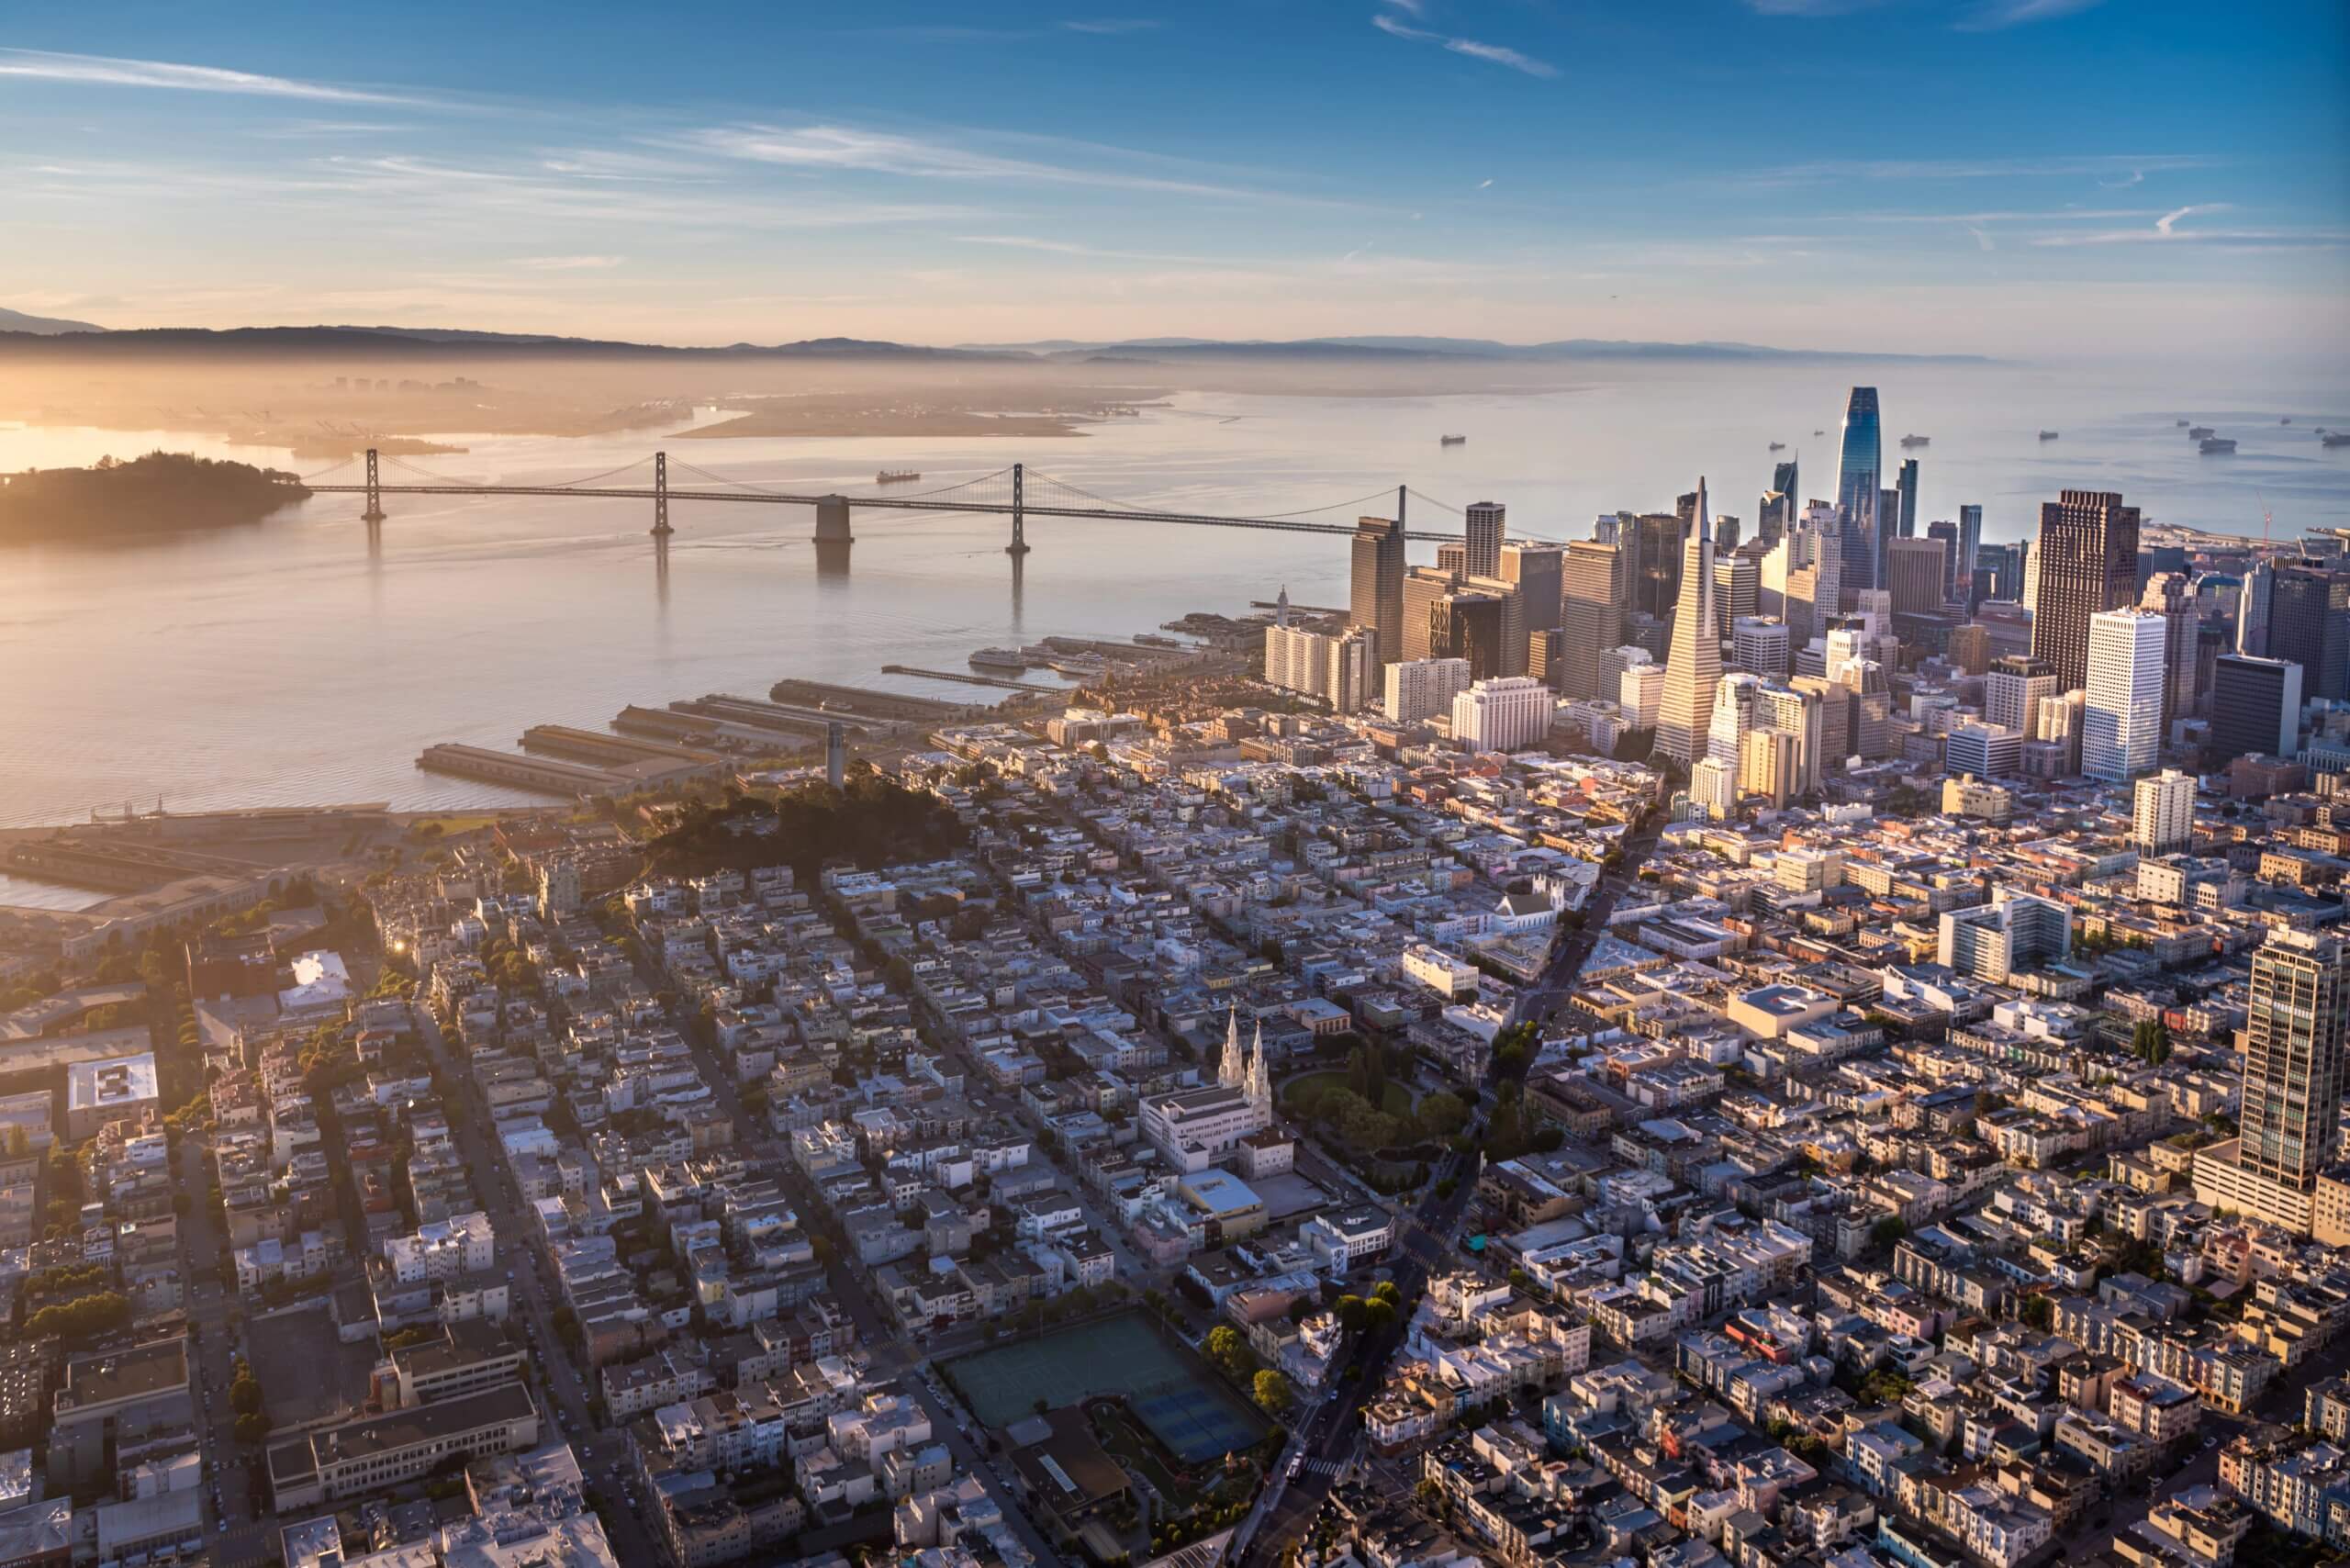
2121,724
1656,564
1536,572
1758,645
1783,709
2252,609
2171,596
1418,690
1916,571
1860,475
1484,542
1773,513
1993,941
1770,766
1733,715
1907,487
1888,508
2008,573
2161,816
2059,720
1801,576
1376,593
2088,557
1452,557
1725,534
2297,622
2334,664
2013,689
1607,528
1337,668
1835,702
1648,631
1423,586
1869,704
1640,692
1713,786
1738,578
1970,649
1970,550
2210,641
1592,615
2293,1058
1947,532
1783,480
1694,666
1546,653
2255,707
1512,646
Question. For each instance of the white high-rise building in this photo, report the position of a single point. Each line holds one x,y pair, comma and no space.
1713,784
1733,715
2164,815
1335,668
1507,714
2121,720
1418,690
2012,692
1640,692
1692,667
1986,751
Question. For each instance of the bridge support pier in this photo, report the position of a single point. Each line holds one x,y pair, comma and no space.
661,529
831,521
374,512
1019,546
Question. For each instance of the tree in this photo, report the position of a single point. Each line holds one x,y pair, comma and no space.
1352,1311
1888,1230
2149,1041
1271,1391
2038,1312
1387,1290
1377,1312
1227,1349
252,1427
1441,1115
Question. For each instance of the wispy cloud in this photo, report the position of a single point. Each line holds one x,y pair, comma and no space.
1998,14
1410,7
2135,177
1071,248
1111,27
99,70
820,148
1497,53
1807,7
1487,184
570,263
1981,238
1977,219
1827,171
2166,230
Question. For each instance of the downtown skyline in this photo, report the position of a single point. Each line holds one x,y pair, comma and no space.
2048,178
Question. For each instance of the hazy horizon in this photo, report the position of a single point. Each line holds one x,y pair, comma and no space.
2026,179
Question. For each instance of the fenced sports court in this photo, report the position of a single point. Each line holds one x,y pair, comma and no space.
1170,1391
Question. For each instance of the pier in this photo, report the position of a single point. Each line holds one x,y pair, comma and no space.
962,679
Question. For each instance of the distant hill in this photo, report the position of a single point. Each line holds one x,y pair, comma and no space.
161,492
1403,347
21,335
43,326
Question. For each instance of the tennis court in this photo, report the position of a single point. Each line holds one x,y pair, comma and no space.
1170,1392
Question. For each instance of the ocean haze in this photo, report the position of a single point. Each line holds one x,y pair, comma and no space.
286,662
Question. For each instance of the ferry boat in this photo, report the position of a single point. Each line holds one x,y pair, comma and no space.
1778,446
1081,667
2215,446
2285,421
1452,439
2182,424
999,658
896,475
1910,440
2335,438
2048,435
2200,432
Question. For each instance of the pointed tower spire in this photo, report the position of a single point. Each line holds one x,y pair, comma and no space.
1261,1081
1230,1072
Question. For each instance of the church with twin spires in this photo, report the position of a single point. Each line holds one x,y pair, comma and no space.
1195,1128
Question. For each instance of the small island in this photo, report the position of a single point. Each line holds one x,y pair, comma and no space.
161,492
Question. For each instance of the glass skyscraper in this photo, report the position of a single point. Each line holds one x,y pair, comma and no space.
1859,476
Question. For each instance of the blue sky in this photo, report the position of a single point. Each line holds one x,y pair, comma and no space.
2008,176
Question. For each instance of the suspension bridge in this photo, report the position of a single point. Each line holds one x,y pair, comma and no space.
1014,492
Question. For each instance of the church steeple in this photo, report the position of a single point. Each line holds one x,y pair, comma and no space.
1232,1072
1261,1081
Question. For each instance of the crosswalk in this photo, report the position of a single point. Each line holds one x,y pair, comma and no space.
1330,1467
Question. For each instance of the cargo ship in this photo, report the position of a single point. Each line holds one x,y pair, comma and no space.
1450,439
1910,440
2335,438
2199,432
2048,435
1778,446
897,475
2215,446
999,658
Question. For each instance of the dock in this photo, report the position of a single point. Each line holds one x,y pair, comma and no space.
963,679
857,702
